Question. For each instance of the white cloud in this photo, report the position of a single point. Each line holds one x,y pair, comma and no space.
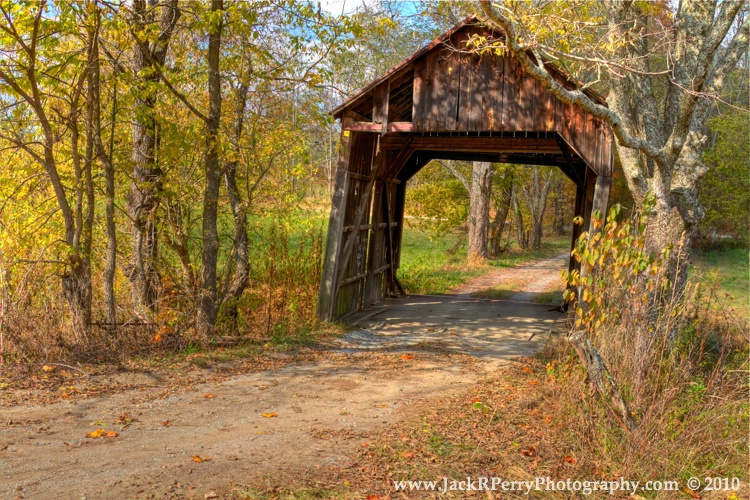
338,7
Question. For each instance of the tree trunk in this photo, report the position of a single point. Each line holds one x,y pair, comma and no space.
479,209
145,190
76,287
110,265
498,224
94,136
207,310
522,236
558,198
76,282
536,195
236,284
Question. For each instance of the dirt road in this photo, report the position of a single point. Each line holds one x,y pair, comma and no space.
528,279
193,442
314,415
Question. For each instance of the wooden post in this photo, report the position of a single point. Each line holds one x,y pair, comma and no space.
380,106
398,218
588,200
600,199
328,283
597,195
375,251
577,228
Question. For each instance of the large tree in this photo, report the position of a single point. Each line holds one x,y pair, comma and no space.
662,67
479,210
151,26
42,94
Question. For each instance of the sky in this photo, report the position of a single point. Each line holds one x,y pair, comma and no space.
337,7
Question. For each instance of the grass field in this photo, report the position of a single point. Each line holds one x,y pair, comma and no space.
434,265
729,270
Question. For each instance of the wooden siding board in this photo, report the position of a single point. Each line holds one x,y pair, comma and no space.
510,109
441,89
418,93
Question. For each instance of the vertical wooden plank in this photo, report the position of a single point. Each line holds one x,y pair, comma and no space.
577,228
546,120
493,74
418,92
443,100
375,251
475,83
398,218
380,101
430,81
333,243
528,101
390,278
589,141
589,197
599,200
588,204
468,92
510,95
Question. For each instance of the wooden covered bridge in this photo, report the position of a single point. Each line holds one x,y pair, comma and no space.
444,102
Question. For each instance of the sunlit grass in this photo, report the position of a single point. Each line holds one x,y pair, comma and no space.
729,269
434,265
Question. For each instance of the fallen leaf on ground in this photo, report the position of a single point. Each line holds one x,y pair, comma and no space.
531,452
527,369
407,454
167,423
199,459
209,396
570,460
100,433
690,492
269,415
533,382
407,357
454,334
48,368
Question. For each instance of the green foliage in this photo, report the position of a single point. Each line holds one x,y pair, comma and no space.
617,267
725,189
729,269
439,205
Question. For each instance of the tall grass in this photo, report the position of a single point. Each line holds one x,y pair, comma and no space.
680,367
281,300
278,305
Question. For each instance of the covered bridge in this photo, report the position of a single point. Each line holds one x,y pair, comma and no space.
444,102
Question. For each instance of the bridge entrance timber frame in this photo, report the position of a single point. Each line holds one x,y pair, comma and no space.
445,102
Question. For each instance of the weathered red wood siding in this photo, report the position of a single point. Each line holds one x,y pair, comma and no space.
458,91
